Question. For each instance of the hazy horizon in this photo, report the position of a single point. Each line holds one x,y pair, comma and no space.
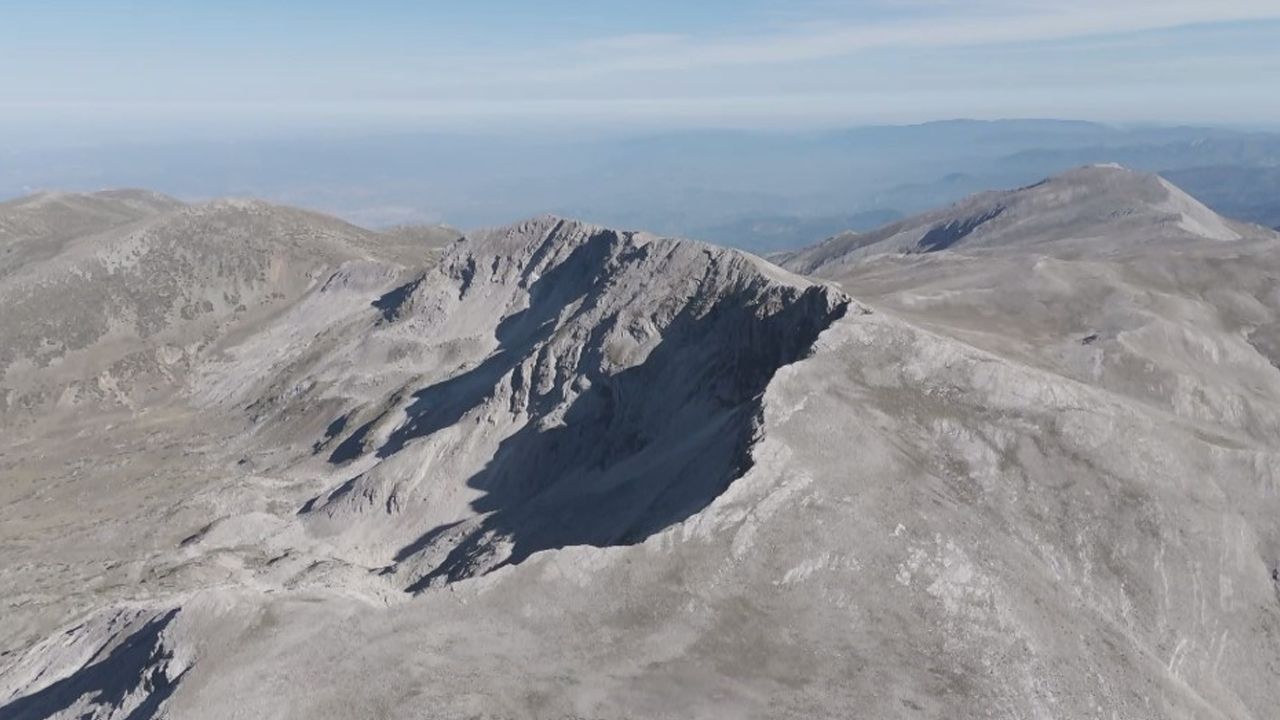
110,72
722,120
762,190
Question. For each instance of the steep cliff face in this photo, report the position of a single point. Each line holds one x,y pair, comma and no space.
569,385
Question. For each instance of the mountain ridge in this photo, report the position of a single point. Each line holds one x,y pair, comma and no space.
1062,213
556,469
545,369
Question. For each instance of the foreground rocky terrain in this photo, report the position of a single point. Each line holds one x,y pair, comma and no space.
1017,458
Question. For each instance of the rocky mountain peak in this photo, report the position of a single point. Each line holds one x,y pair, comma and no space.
1098,209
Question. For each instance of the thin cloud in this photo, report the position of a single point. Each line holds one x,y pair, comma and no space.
951,25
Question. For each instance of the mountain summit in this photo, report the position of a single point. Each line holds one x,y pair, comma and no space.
550,383
1100,208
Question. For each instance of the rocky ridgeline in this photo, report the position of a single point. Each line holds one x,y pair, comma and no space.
557,470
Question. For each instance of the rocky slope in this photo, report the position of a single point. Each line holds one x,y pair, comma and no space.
560,470
572,385
113,297
1071,214
1102,283
37,227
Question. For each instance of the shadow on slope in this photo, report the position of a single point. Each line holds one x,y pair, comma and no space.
443,404
609,456
639,450
136,665
940,237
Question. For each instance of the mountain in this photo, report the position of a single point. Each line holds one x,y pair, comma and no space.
1075,212
546,341
59,216
555,469
36,227
118,311
1111,277
115,295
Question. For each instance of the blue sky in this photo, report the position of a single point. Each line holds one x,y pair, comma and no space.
89,66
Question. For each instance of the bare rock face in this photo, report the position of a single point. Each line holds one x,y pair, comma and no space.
556,470
612,389
131,674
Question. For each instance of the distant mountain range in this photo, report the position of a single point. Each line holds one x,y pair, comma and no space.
1239,191
764,191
